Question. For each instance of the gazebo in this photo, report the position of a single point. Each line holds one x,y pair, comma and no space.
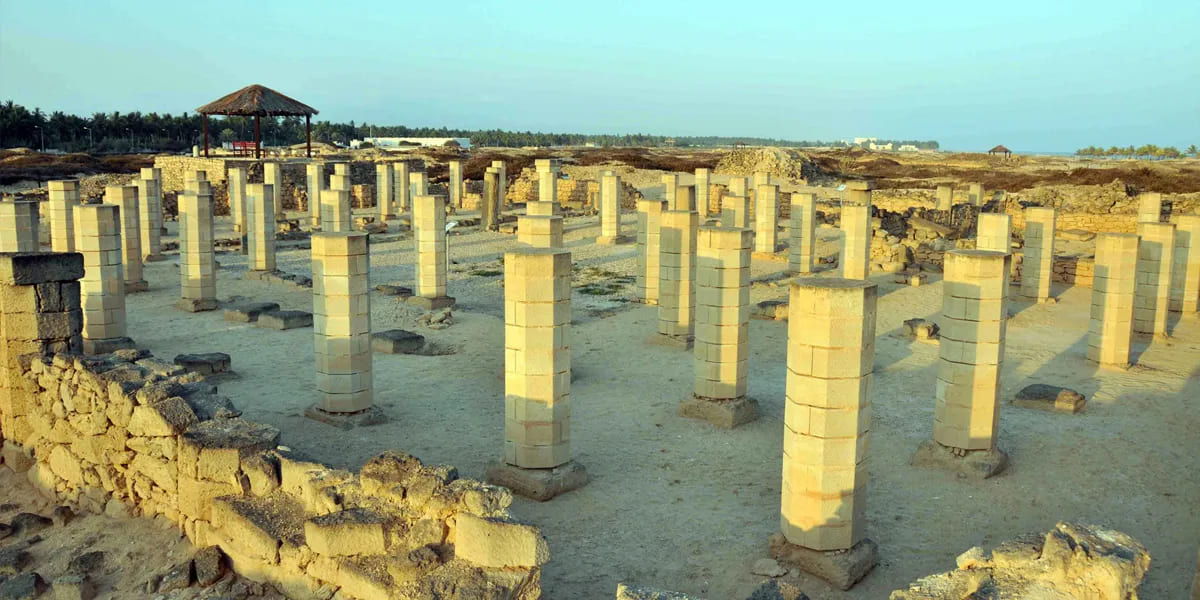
259,101
1001,150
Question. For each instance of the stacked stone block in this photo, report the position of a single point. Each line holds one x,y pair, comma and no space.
944,196
260,217
503,170
702,181
490,214
1110,330
540,231
1154,264
336,215
994,232
419,181
273,176
384,191
102,287
236,179
677,275
342,321
1038,262
735,211
547,172
19,226
685,198
429,234
855,259
149,187
456,184
649,213
859,192
403,185
766,209
670,185
64,197
1149,207
314,174
1185,270
975,194
197,265
610,210
802,247
738,186
125,197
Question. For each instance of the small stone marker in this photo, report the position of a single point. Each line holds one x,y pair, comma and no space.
284,319
249,312
204,364
1053,398
397,341
388,289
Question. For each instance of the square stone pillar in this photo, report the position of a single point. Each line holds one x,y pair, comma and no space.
803,242
314,173
503,171
126,198
766,210
1113,285
685,198
1038,262
722,329
64,197
403,186
19,226
547,171
540,231
102,287
273,176
944,196
610,210
670,185
419,181
735,211
489,216
967,407
648,241
341,323
197,265
1155,261
341,168
537,376
539,208
975,194
429,233
677,277
738,186
149,186
336,214
456,183
994,232
1149,207
855,259
235,179
384,191
1185,271
827,429
703,177
859,192
260,217
191,177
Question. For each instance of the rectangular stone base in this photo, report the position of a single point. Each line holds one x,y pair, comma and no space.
1040,396
284,319
153,258
431,303
196,305
720,412
364,418
133,287
537,484
671,341
612,240
841,568
107,345
975,464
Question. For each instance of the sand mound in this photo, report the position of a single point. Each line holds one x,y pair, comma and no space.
779,162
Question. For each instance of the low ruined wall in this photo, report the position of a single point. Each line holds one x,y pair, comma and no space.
573,193
174,169
134,434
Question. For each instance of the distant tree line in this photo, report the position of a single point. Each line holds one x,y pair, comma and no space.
1144,151
136,131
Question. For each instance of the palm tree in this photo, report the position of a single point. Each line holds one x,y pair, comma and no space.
1192,150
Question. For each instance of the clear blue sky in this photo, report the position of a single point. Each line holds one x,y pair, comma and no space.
1044,75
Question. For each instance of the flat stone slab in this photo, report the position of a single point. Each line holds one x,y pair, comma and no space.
363,418
671,341
107,346
841,568
1051,398
193,305
210,363
770,310
133,287
284,319
431,303
973,464
538,484
397,341
726,414
388,289
248,312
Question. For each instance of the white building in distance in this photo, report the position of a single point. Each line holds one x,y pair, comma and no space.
401,142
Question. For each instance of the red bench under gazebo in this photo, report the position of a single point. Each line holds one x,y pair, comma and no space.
259,101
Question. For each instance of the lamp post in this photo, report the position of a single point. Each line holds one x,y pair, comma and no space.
91,142
42,135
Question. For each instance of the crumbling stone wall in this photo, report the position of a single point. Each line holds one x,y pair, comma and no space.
573,193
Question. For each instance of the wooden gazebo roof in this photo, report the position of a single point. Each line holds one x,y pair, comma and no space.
1000,149
258,101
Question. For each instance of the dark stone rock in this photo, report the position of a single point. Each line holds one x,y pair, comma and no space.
62,515
179,577
23,587
204,364
85,563
363,418
209,565
74,586
13,560
27,523
777,590
106,346
249,312
1052,398
394,290
397,341
538,484
5,530
284,319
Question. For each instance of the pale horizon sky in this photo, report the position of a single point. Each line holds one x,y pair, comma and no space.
1035,76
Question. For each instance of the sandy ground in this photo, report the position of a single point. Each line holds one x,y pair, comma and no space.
680,505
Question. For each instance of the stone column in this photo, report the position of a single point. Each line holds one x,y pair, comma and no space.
403,185
429,233
149,187
685,198
766,238
677,278
994,232
102,288
1038,262
735,211
722,329
235,179
537,376
610,210
1154,264
547,170
197,266
419,180
975,194
859,192
342,326
855,259
126,198
739,186
827,430
273,176
539,208
384,193
944,196
802,246
64,197
540,231
1111,329
670,187
260,217
648,234
336,213
315,183
491,191
1149,207
341,168
1185,272
456,184
702,179
967,410
503,170
19,226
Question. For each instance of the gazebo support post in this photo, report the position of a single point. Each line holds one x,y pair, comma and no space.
257,138
205,134
308,135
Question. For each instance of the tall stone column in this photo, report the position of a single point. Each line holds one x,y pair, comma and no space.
1149,207
149,187
102,288
336,213
994,232
670,186
419,180
429,232
342,329
1153,293
1110,331
702,197
260,238
1038,262
722,329
677,278
403,185
384,191
648,241
967,410
827,430
537,376
273,176
944,196
1185,271
855,259
503,197
610,210
735,211
197,265
539,208
547,171
456,184
540,231
235,179
489,216
685,198
766,238
803,242
975,194
126,198
64,197
859,192
315,183
19,226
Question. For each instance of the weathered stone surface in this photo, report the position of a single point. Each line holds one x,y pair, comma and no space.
363,418
841,568
629,592
248,312
1053,398
30,523
771,310
87,562
196,304
1079,235
538,484
431,303
355,531
15,457
499,544
62,515
397,341
976,464
23,587
725,414
205,364
179,577
777,590
106,346
284,319
74,587
13,560
768,567
209,565
29,268
920,329
168,417
394,290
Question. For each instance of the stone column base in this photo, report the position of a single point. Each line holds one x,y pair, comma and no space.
682,342
107,345
196,305
538,484
975,464
841,568
724,413
133,287
612,240
364,418
431,303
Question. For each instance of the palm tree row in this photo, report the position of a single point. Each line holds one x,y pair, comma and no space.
1144,151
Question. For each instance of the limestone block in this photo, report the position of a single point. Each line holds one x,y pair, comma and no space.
498,544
